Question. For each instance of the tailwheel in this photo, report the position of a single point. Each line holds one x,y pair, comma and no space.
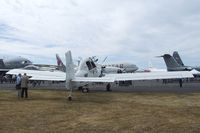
70,95
108,87
85,90
69,98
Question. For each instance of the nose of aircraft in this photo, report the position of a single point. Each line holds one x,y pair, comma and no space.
136,67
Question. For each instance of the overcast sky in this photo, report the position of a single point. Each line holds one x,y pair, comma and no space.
132,31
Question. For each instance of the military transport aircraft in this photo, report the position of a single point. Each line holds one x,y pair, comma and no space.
88,72
7,64
173,65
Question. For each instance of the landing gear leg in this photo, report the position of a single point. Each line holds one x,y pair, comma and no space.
108,87
70,95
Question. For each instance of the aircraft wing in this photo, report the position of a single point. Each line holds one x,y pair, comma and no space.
61,76
40,75
151,76
93,79
136,76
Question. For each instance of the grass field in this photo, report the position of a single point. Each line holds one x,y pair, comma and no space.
102,112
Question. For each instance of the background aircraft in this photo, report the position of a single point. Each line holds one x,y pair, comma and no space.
41,67
60,64
7,64
45,67
151,68
173,65
23,63
179,61
126,67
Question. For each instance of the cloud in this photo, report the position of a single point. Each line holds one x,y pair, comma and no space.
129,31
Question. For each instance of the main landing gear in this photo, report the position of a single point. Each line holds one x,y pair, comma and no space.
84,89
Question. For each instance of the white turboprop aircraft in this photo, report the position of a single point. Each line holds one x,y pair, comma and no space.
88,73
107,69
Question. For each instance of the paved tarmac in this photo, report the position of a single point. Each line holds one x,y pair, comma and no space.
137,86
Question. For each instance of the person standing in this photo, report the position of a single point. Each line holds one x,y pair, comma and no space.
180,83
24,86
18,84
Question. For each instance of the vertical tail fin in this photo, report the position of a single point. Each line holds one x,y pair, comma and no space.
60,64
170,62
2,65
177,58
69,70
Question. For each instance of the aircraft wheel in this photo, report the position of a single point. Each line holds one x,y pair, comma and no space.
85,90
69,98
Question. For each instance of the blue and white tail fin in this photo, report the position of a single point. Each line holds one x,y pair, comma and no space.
177,58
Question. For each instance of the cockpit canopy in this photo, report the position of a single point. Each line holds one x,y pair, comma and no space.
90,64
87,64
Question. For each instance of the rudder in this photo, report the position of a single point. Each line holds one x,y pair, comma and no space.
177,58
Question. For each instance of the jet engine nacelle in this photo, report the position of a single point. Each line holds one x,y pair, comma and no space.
188,68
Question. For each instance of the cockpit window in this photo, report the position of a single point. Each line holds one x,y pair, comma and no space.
93,64
90,65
